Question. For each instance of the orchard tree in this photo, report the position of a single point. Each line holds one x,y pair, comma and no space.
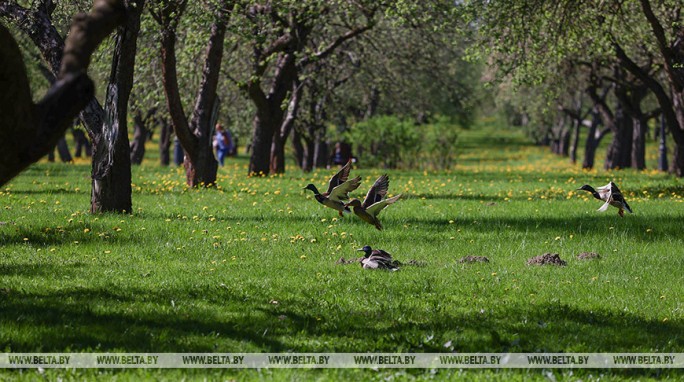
195,133
107,127
27,130
278,32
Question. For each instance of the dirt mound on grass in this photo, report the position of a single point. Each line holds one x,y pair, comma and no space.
547,259
474,259
588,256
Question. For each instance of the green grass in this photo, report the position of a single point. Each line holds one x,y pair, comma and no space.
202,270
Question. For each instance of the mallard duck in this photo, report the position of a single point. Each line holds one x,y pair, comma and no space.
377,259
373,203
611,195
338,190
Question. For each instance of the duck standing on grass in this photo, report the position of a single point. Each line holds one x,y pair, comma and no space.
338,190
374,203
611,195
377,259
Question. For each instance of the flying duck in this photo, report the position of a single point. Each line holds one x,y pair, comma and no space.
374,202
338,190
377,259
611,195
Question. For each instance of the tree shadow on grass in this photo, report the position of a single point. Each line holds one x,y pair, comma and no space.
68,233
130,320
39,270
143,320
139,320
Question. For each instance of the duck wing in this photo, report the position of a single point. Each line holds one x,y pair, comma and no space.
604,207
342,191
339,178
605,191
375,208
377,192
381,254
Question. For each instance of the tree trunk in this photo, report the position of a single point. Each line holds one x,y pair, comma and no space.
164,142
576,124
677,166
662,147
280,137
140,134
62,150
565,140
639,143
195,136
82,143
298,148
202,167
262,140
111,189
594,137
619,152
321,156
269,116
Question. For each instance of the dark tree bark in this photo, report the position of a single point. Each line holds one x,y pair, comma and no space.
639,143
62,151
112,186
196,135
594,137
561,140
619,151
662,146
269,115
37,24
298,148
575,140
631,94
164,142
140,134
278,146
82,144
28,131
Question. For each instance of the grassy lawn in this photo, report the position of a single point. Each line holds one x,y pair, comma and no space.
250,266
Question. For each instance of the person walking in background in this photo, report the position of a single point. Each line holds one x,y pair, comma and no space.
341,154
222,144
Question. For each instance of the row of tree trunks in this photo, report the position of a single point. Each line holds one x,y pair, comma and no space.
560,142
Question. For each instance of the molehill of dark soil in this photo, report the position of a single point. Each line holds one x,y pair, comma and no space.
588,256
474,259
547,259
